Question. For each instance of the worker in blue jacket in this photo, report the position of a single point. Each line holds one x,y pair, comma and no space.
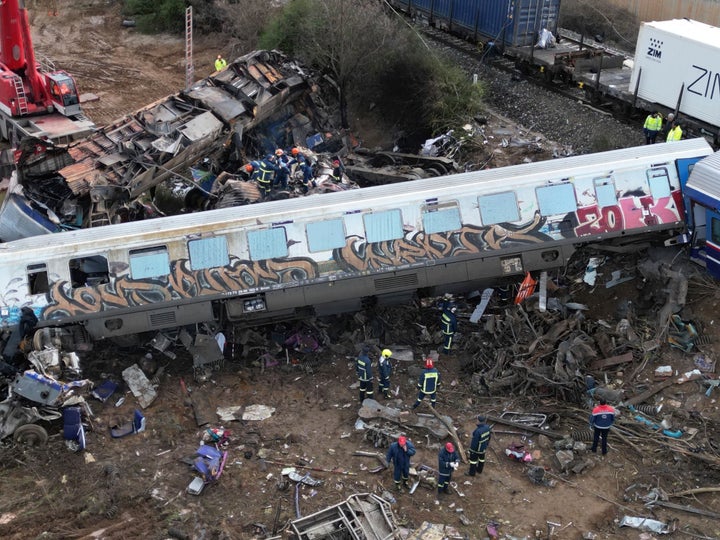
384,372
264,175
428,383
602,418
478,446
363,367
448,461
399,455
448,322
282,171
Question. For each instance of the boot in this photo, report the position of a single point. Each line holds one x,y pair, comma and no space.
388,395
362,396
398,487
471,472
480,467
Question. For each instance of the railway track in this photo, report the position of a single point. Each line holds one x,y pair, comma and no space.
553,82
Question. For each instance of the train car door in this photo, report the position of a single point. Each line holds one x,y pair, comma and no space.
712,243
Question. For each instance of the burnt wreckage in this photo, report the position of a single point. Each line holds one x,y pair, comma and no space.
261,102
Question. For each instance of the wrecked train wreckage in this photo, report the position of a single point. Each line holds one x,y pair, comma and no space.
261,102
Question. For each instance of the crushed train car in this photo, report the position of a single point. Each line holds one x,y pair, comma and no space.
102,179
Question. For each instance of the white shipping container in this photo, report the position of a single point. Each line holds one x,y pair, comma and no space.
680,55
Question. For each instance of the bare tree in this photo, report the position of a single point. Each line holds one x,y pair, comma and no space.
347,39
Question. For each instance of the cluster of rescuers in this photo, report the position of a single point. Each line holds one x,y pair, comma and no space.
400,452
274,170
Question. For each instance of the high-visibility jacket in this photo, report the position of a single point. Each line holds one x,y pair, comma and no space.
448,320
675,134
220,64
264,174
429,380
653,123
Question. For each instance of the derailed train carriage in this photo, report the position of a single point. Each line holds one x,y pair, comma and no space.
318,255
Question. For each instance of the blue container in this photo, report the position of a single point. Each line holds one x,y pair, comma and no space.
513,23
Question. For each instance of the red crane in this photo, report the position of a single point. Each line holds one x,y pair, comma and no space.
25,89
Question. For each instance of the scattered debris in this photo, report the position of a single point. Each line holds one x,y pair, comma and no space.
139,385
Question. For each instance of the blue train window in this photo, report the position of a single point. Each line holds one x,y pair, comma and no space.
499,208
715,230
149,262
659,182
383,226
441,220
557,199
325,235
211,252
267,244
605,192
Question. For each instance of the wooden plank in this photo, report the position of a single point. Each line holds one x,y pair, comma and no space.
611,361
649,392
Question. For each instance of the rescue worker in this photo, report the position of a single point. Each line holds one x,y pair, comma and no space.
263,175
653,125
249,169
428,383
601,420
338,170
308,175
384,372
448,461
399,455
448,321
282,171
675,133
363,367
478,446
220,63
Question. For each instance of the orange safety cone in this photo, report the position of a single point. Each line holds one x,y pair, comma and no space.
527,287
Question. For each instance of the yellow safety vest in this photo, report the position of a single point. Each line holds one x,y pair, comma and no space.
220,64
675,134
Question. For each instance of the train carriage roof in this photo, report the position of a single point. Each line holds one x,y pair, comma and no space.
378,197
704,182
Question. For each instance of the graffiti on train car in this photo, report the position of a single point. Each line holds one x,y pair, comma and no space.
419,247
181,283
629,213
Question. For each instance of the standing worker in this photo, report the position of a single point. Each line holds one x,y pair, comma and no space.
601,419
448,461
399,455
653,125
282,171
428,383
263,175
675,133
478,446
448,321
363,368
384,372
220,63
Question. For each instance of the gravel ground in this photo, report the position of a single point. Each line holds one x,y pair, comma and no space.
565,121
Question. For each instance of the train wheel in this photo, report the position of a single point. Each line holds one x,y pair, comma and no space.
31,435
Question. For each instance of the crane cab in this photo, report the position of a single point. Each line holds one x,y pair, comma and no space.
63,93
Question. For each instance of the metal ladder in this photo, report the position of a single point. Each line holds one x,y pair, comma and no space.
189,66
20,92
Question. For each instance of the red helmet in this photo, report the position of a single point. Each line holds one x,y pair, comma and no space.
428,362
295,151
402,439
249,168
336,163
450,447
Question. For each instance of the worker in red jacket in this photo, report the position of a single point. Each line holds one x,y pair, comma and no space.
601,420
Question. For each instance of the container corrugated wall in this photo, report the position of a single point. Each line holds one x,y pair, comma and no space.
511,22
